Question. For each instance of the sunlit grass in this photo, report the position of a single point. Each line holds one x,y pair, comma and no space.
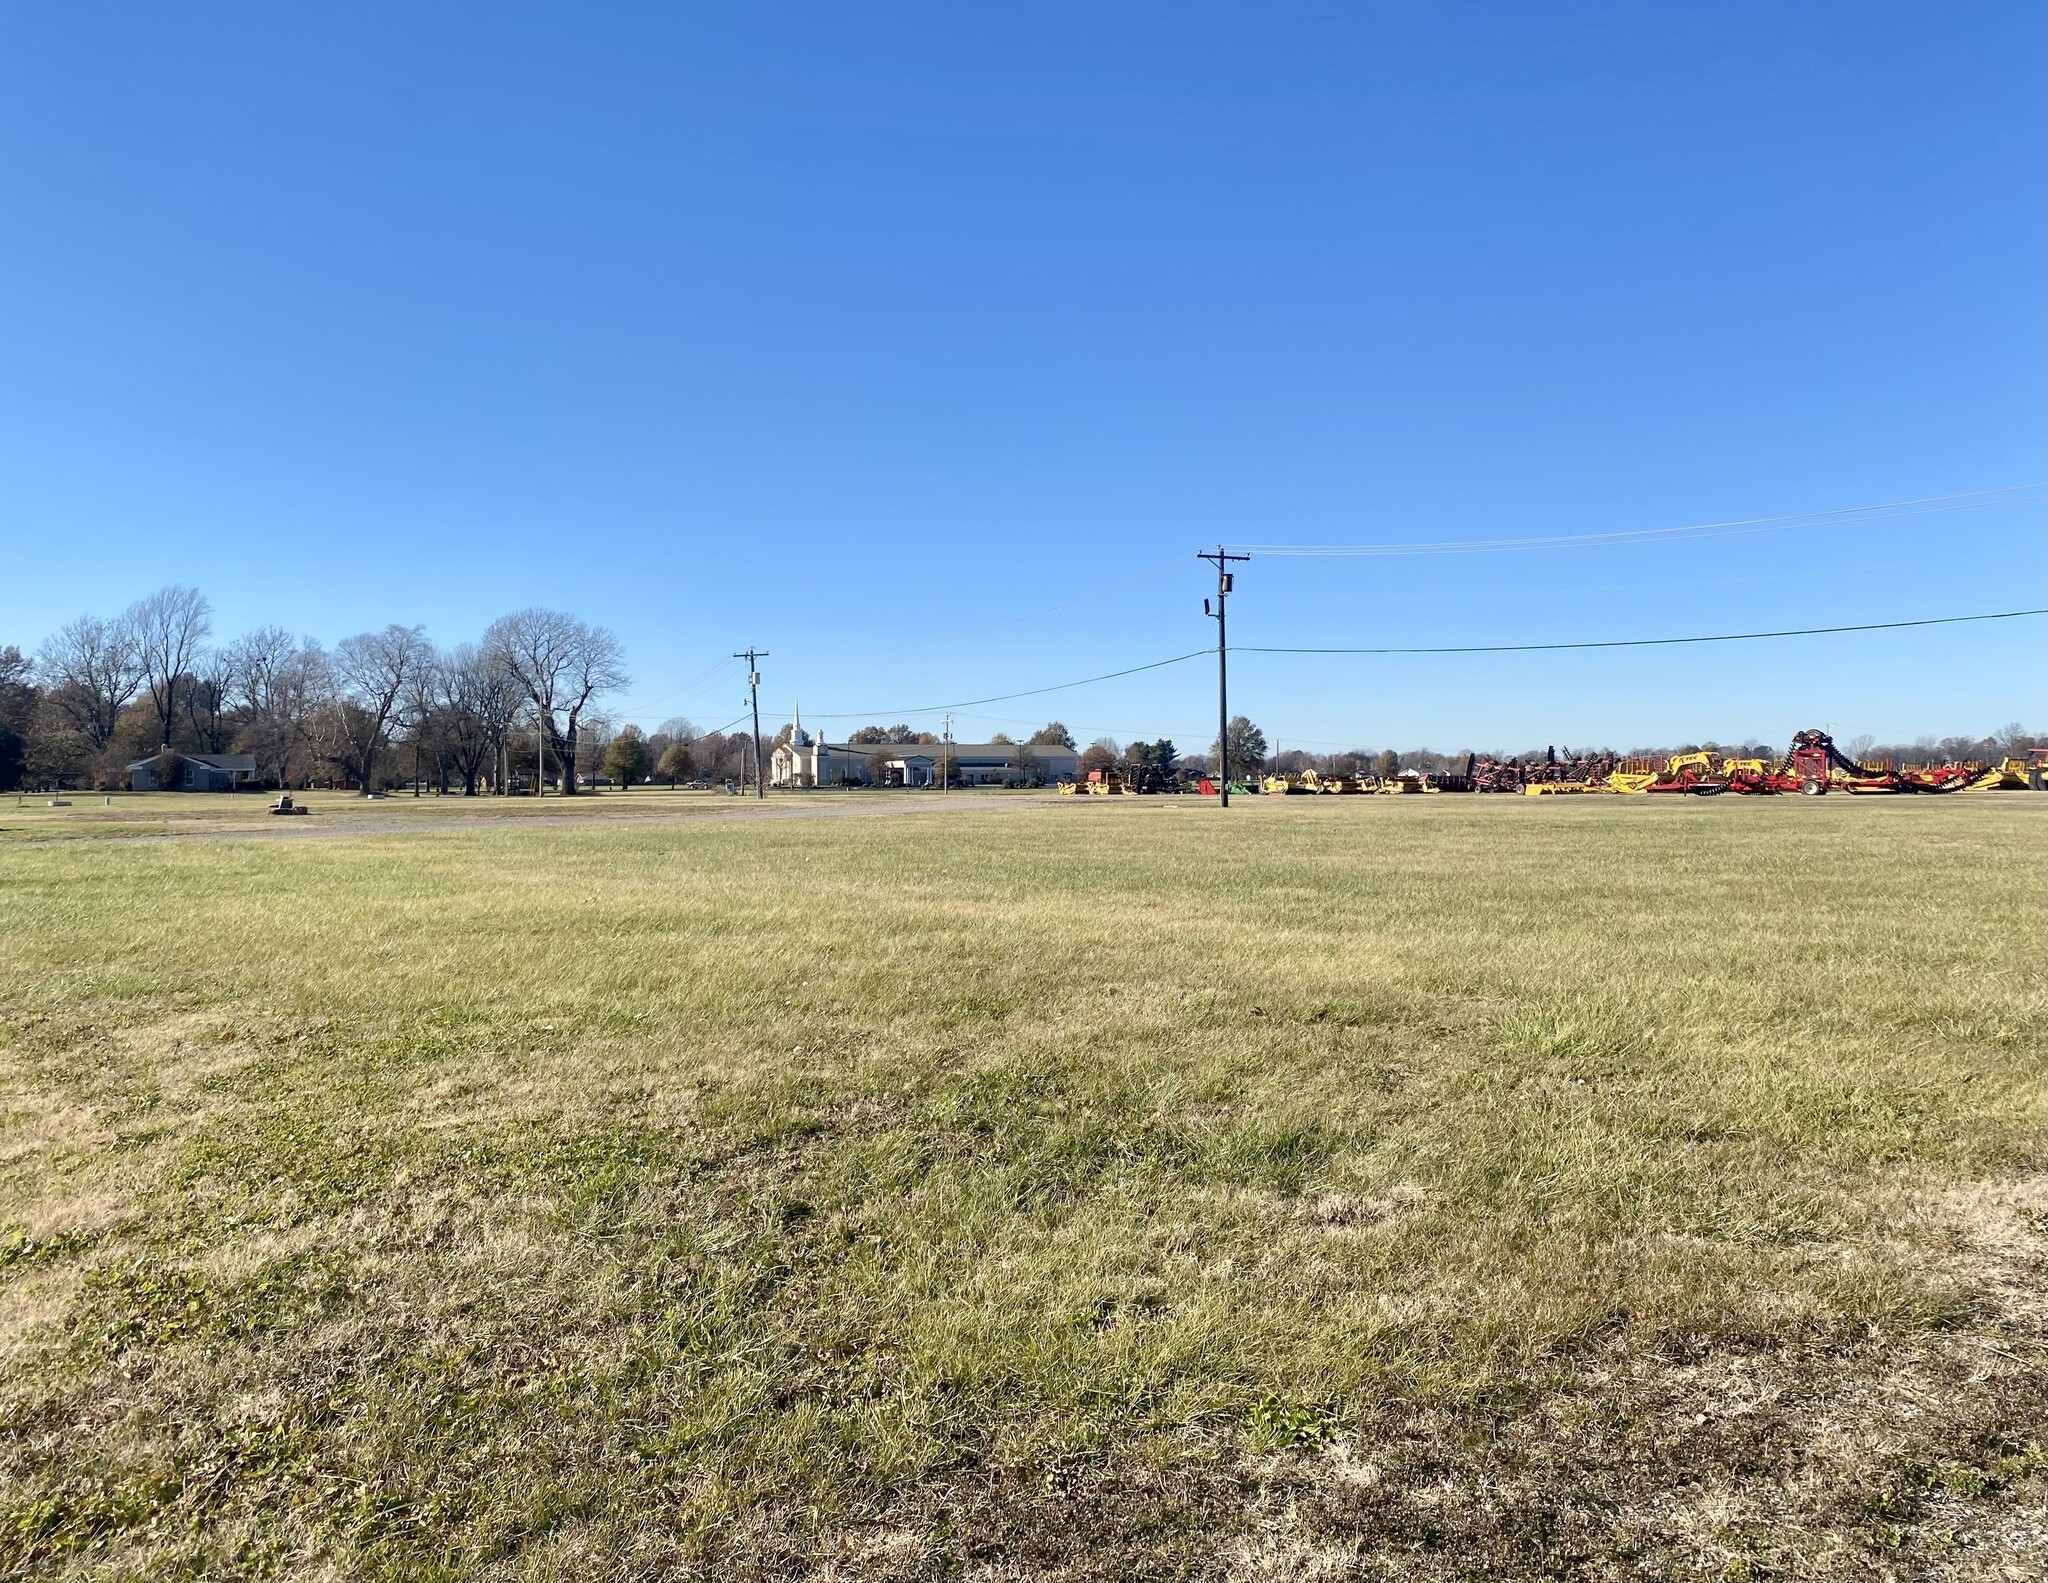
77,815
1082,1185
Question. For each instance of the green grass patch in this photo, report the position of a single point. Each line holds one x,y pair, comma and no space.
1457,1186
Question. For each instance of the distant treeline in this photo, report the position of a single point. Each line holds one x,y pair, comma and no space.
1249,753
524,699
2012,739
376,709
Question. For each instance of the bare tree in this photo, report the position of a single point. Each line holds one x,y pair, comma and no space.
1098,755
594,741
255,660
92,670
206,689
674,732
561,664
169,627
375,670
475,703
278,685
419,712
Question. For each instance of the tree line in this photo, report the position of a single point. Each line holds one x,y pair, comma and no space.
521,704
1250,753
378,708
676,754
2010,740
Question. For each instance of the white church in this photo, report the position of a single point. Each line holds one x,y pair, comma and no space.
805,760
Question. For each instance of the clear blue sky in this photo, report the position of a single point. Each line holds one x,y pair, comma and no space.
853,331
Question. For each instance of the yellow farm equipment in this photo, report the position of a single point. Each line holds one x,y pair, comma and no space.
1125,780
1813,766
2012,774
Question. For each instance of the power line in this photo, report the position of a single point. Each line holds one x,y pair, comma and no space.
1645,643
1083,728
1847,515
681,693
1068,604
685,691
1485,648
1031,692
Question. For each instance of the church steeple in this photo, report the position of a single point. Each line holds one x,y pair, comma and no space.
798,738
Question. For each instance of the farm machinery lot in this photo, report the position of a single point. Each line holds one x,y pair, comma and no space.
1603,1187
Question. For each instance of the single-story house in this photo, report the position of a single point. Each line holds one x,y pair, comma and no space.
204,772
806,761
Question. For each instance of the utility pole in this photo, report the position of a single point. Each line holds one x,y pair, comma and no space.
752,656
1221,561
946,784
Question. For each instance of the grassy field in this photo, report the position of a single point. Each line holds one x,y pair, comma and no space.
1385,1188
112,815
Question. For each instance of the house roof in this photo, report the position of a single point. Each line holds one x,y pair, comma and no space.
219,761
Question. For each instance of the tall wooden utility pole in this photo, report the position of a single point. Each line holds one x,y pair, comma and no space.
752,656
1221,562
